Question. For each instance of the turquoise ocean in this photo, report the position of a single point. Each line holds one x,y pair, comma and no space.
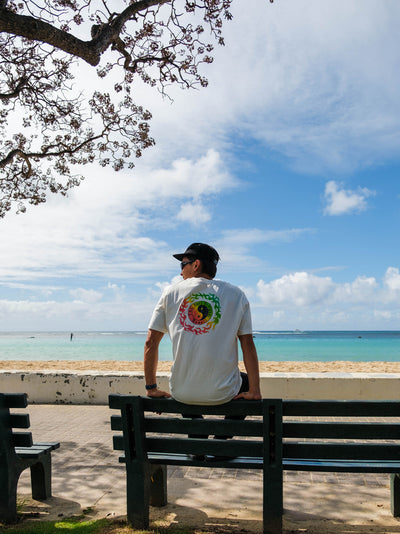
273,346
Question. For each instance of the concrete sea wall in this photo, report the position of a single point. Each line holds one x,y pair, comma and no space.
50,387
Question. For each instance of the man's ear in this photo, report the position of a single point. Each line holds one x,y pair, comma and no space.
197,265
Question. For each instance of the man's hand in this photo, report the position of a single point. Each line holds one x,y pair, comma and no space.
250,360
157,393
249,395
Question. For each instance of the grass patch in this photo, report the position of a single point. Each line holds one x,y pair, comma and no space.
99,526
65,526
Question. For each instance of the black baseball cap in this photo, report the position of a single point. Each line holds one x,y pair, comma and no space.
199,251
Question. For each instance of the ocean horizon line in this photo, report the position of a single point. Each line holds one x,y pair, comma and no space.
144,331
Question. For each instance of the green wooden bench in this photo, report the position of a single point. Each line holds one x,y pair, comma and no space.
331,436
17,453
151,442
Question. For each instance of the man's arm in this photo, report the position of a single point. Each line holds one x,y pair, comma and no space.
250,360
151,361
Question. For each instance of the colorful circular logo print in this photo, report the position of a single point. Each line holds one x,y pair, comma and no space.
200,313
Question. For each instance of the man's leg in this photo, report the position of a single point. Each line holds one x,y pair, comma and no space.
199,457
244,387
198,436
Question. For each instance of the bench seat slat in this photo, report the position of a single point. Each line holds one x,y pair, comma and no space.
301,464
242,462
343,451
289,464
337,430
53,444
32,452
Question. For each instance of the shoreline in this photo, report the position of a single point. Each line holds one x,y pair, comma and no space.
165,366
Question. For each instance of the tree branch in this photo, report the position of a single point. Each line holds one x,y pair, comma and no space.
90,51
18,88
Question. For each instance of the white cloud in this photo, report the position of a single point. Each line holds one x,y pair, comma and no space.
386,315
301,300
342,201
304,290
362,289
89,296
75,314
392,279
297,289
191,178
194,213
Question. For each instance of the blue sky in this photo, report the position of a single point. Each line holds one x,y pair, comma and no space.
287,163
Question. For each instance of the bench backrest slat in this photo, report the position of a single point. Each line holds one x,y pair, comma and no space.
163,405
19,420
14,400
185,426
239,407
197,426
116,422
339,430
341,408
208,446
22,439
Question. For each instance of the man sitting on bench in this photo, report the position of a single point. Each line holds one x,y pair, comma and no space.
203,317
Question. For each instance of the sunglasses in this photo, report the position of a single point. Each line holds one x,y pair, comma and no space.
183,263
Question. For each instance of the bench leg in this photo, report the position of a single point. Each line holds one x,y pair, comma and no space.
8,496
273,503
138,494
158,485
272,469
41,478
395,494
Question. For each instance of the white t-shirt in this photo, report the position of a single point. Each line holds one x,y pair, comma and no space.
203,318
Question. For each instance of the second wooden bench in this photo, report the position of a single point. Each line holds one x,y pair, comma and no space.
17,453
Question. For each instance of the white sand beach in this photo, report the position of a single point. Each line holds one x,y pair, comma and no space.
265,367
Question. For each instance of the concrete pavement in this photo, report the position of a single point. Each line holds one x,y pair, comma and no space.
88,478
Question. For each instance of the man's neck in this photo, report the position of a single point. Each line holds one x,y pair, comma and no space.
202,275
